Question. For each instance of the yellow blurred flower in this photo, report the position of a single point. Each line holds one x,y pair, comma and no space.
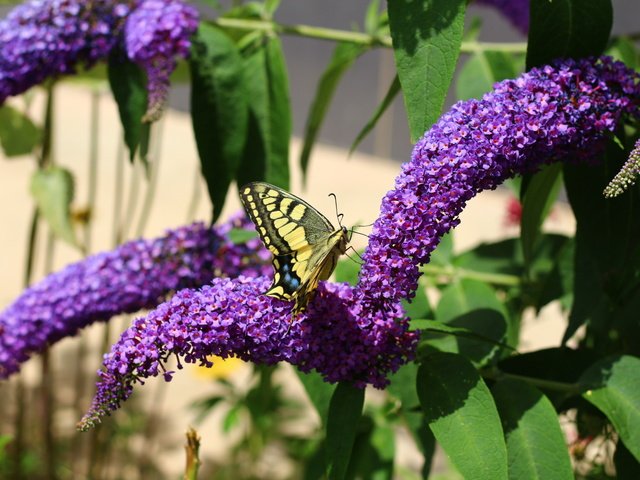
222,368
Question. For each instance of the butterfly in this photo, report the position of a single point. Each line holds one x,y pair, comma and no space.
305,245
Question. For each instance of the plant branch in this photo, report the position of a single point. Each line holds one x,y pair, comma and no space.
493,278
496,374
348,36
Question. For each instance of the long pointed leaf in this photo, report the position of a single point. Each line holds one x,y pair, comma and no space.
567,28
613,385
218,110
540,195
345,411
128,84
53,190
426,39
18,134
343,57
394,88
535,443
462,415
266,154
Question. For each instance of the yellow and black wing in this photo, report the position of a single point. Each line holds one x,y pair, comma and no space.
304,244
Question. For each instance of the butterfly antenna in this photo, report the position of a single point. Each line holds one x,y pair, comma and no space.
359,233
339,216
368,225
353,259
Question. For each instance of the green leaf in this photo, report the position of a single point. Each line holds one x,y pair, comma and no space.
443,254
567,28
503,257
607,252
344,55
345,412
613,385
535,443
552,266
129,87
541,193
462,415
270,6
394,88
373,450
219,110
426,39
53,190
266,154
419,306
319,392
238,236
481,71
624,49
347,270
18,134
403,386
439,327
474,307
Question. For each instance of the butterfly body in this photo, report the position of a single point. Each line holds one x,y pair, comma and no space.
305,245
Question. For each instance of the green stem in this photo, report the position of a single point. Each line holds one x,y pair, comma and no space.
80,380
570,388
17,450
493,278
118,195
47,129
132,201
94,135
192,449
348,36
152,184
47,401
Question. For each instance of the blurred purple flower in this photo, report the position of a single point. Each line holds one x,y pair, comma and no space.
40,39
359,334
156,33
516,11
138,274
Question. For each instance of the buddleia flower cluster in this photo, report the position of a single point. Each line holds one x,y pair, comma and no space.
44,39
138,274
360,334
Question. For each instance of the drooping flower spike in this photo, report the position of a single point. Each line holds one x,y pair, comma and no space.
138,274
158,32
358,333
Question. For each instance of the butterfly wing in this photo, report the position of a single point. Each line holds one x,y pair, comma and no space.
304,244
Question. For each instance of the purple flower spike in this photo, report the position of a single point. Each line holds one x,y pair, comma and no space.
360,334
136,275
232,318
40,39
516,11
156,33
548,114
